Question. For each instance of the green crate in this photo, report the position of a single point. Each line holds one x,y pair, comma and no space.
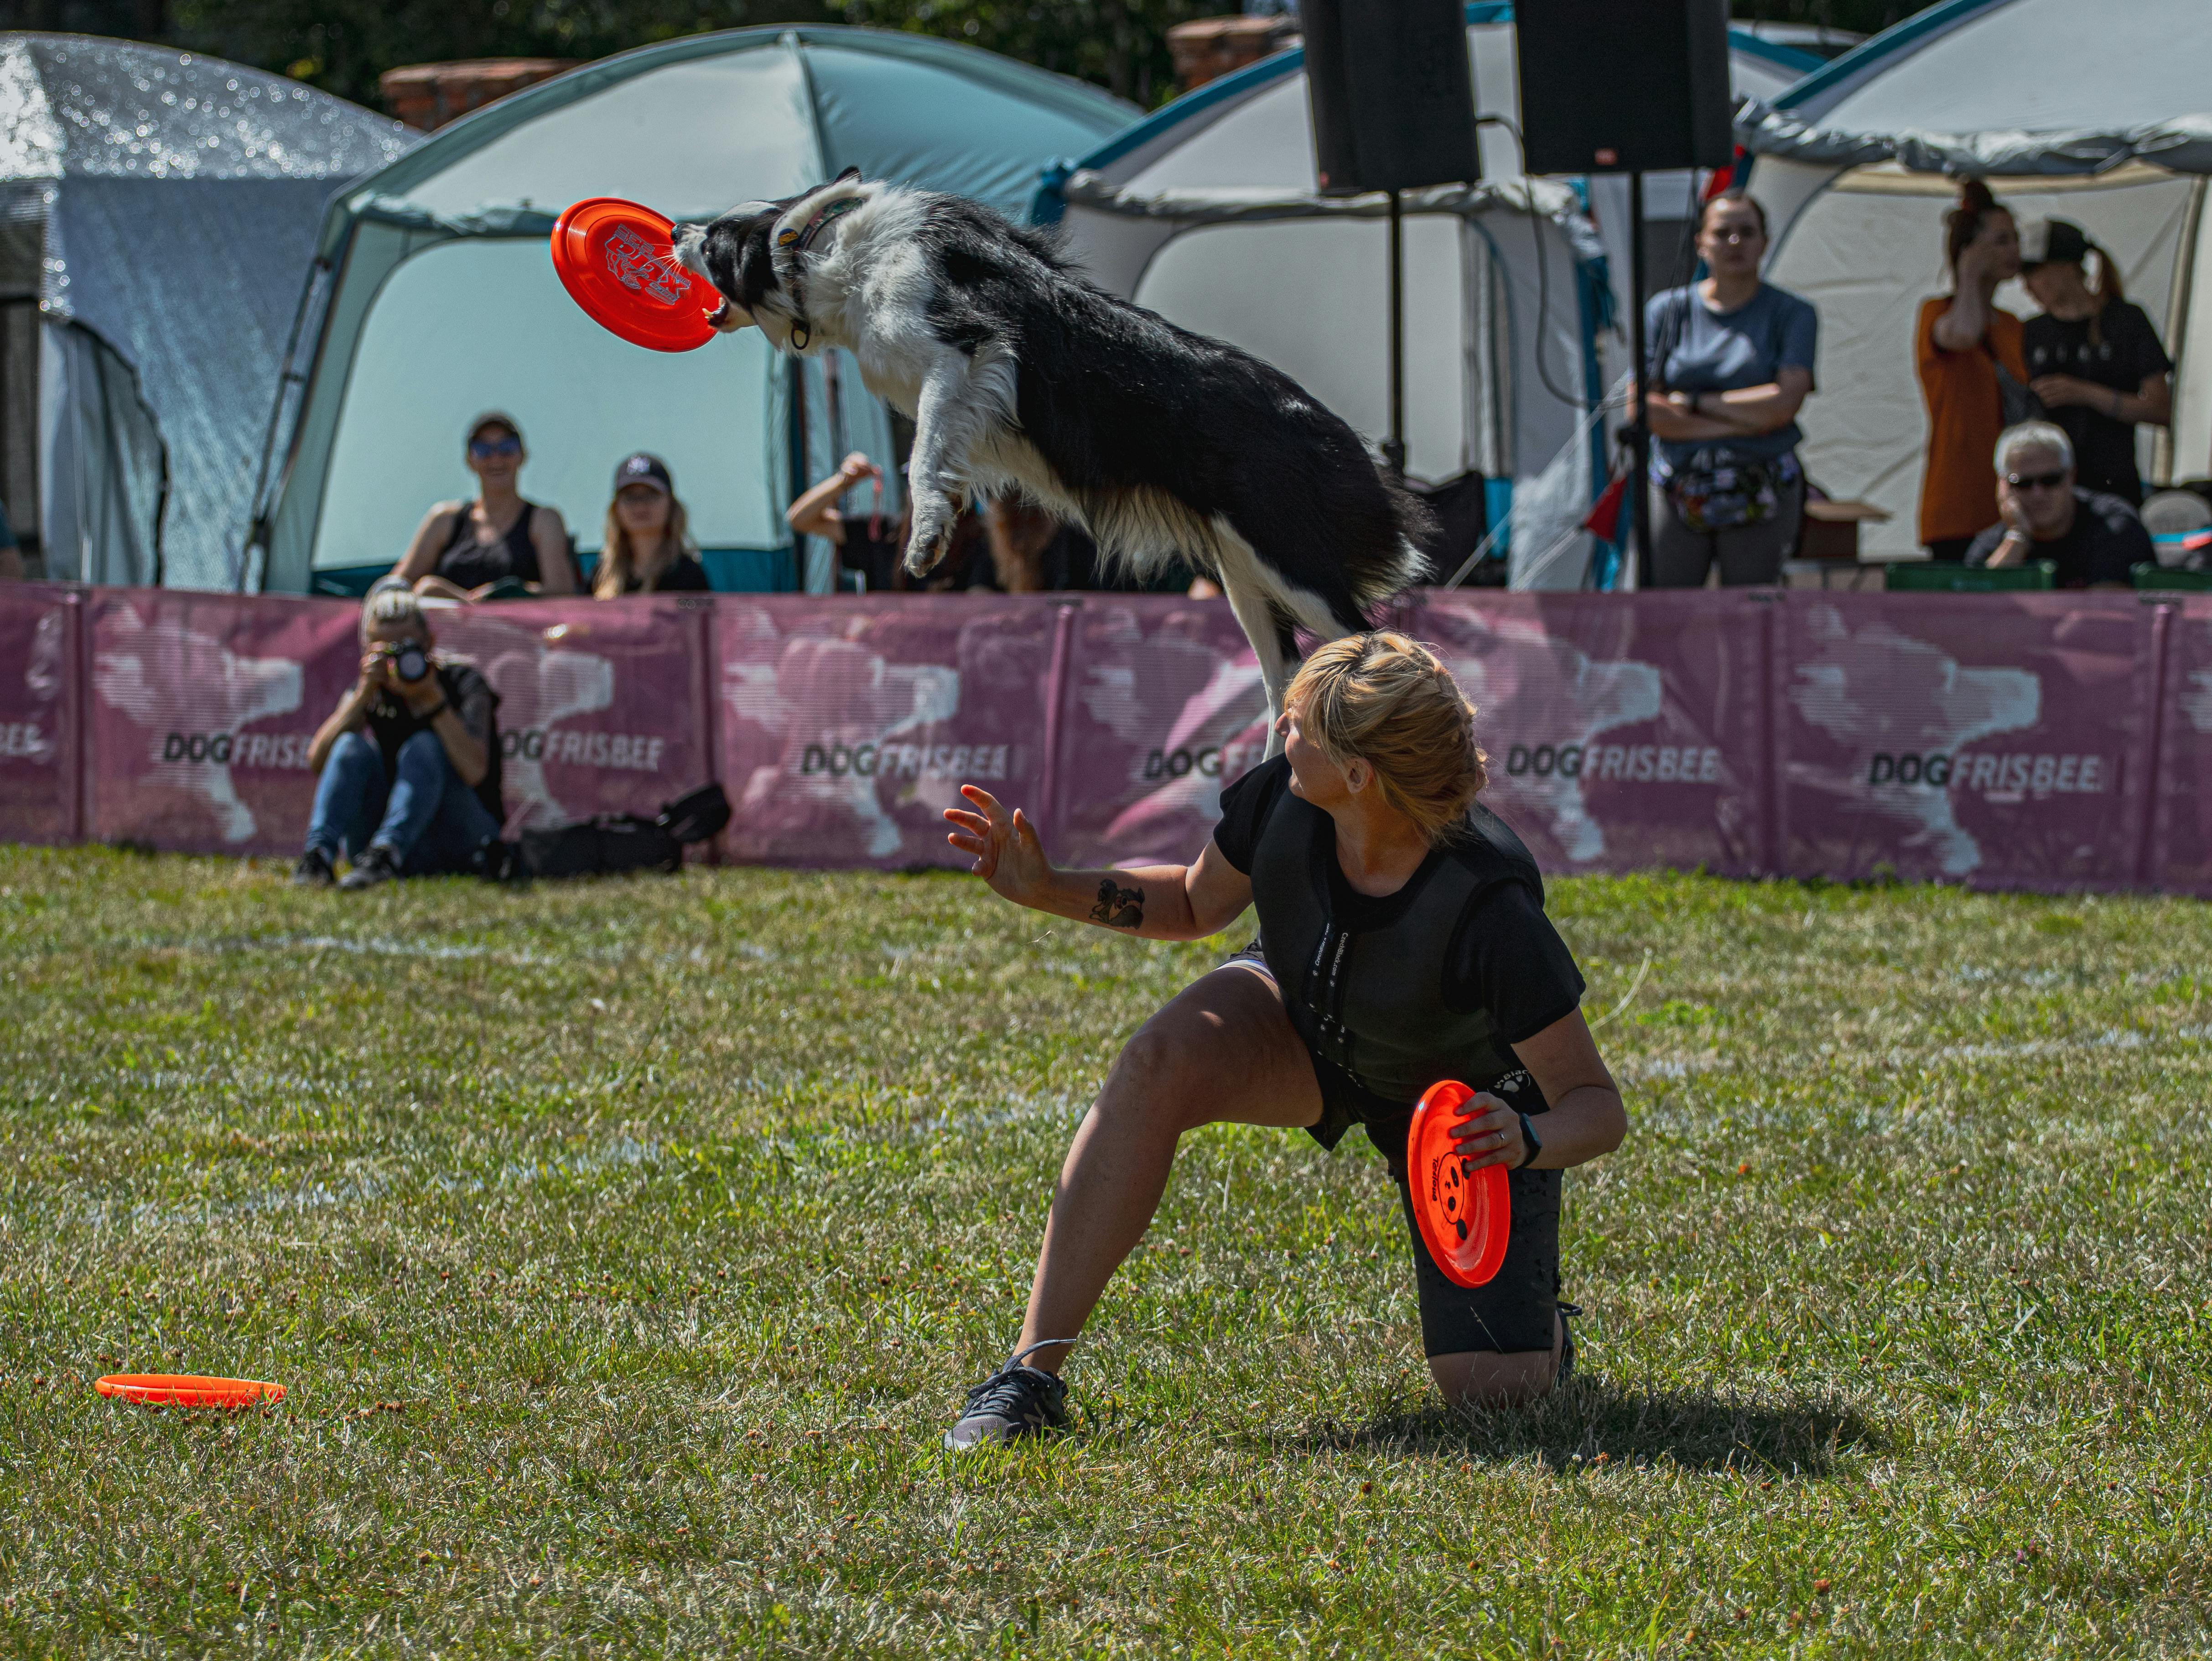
2185,582
1943,577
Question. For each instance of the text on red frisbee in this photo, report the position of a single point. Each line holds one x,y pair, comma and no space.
617,260
1465,1213
187,1389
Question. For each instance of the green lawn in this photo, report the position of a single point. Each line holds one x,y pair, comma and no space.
625,1246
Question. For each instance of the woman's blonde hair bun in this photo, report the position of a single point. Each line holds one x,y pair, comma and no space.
1387,699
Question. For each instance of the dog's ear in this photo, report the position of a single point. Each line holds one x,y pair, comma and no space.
853,173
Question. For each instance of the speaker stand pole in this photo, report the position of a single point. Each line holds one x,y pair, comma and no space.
1393,448
1639,436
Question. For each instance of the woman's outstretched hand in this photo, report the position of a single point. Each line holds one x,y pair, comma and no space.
1007,853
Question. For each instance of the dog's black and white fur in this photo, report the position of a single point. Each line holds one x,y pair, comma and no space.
1022,376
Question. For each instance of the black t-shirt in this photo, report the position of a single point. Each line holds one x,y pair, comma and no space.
1505,957
392,723
2126,353
684,575
2105,544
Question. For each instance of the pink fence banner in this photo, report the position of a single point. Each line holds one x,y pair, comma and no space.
849,725
39,714
1161,707
1620,735
203,706
601,706
1998,740
2181,852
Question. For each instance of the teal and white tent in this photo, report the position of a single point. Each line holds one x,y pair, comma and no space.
1210,213
434,294
2099,114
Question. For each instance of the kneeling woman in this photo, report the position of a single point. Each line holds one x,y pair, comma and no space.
1402,940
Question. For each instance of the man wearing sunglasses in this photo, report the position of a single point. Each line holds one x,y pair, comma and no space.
2095,539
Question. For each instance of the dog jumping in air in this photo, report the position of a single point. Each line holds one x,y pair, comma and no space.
1022,377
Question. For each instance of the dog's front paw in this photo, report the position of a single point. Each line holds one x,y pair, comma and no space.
932,536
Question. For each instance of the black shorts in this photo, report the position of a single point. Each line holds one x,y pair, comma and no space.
1517,1310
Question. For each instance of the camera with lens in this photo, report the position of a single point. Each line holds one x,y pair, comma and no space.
409,660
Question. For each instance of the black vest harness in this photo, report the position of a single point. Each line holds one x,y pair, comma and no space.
1371,999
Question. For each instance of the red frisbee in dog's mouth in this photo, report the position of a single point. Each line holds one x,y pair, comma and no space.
1465,1214
617,260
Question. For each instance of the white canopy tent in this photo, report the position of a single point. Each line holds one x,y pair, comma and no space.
1211,214
2101,114
439,300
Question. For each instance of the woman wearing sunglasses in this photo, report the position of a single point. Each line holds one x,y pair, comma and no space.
498,545
2092,538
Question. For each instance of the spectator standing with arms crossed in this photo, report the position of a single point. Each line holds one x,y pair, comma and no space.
2098,364
1734,356
1973,376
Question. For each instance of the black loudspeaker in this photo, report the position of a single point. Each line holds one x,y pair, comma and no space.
1392,95
1623,86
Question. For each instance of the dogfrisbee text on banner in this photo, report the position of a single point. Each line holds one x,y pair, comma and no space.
1619,736
849,726
203,707
38,713
599,704
1999,740
1161,707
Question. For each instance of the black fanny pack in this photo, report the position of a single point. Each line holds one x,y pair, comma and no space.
610,843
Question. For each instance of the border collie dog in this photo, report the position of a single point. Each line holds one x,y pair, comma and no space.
1022,377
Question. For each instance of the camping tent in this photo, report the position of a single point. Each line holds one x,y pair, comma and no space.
1210,213
442,302
2104,117
156,210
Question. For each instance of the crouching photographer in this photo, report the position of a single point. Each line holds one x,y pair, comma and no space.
408,761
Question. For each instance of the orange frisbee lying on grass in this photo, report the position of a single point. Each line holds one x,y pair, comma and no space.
1466,1213
187,1389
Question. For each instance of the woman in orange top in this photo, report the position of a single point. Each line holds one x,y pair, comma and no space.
1964,347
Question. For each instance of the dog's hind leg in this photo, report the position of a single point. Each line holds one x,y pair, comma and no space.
1267,609
959,398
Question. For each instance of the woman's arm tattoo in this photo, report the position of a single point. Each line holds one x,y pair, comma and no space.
1119,907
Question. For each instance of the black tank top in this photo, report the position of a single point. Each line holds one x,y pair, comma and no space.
1370,999
468,564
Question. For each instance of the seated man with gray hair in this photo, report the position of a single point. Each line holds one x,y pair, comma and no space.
2096,540
409,760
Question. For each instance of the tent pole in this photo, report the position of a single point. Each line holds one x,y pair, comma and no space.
1639,436
1393,448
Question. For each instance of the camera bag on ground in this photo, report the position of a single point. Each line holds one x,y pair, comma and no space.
612,841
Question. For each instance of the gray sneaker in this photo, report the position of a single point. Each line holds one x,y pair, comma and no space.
376,864
1014,1403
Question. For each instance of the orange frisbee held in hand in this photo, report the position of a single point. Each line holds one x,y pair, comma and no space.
617,260
1465,1213
187,1389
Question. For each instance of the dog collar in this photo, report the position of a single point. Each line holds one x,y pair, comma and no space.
802,238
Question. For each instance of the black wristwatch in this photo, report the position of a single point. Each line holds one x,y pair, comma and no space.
1531,1141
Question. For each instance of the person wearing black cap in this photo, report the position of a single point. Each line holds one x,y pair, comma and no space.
499,544
2092,356
648,545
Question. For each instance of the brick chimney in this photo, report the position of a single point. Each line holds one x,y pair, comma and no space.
1206,48
429,95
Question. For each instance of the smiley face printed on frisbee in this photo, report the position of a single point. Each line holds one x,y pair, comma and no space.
618,261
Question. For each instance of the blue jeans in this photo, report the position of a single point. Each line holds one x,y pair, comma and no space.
428,819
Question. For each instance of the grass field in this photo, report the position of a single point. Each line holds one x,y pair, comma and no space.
625,1246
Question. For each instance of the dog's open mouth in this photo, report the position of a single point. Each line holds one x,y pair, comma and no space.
720,317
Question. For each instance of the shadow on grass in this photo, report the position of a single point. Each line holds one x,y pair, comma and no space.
1692,1430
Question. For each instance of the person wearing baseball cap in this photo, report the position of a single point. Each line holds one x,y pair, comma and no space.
2093,357
648,547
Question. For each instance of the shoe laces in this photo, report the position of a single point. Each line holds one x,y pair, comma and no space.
1014,1388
